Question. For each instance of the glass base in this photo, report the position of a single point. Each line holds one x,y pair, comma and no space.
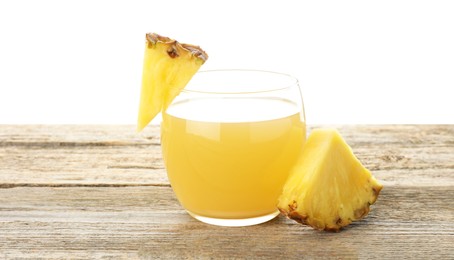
235,222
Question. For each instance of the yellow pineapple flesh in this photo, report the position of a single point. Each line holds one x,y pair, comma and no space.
329,187
167,68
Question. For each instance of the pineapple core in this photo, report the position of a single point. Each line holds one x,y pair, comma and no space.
167,67
328,187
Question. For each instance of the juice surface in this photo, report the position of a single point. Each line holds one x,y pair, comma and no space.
234,167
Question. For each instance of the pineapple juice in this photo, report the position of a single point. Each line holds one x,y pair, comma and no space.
226,160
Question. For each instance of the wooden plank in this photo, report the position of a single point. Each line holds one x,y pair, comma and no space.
421,155
147,222
53,154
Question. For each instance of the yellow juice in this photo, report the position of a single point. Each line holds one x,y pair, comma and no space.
230,165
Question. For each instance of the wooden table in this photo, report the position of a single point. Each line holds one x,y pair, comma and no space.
102,192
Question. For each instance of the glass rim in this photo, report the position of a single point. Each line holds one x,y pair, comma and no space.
293,82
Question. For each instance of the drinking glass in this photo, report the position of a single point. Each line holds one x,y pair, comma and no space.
229,140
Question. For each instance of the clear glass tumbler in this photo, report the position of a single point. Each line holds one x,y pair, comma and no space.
229,141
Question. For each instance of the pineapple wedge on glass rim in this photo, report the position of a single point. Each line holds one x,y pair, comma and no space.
329,187
167,68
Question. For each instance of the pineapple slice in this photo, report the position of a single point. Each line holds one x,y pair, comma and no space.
168,66
329,187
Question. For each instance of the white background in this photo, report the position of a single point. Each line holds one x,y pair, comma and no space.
357,61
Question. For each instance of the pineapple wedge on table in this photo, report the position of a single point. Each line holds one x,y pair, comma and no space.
328,187
167,68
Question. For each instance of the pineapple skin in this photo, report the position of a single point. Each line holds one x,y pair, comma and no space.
329,187
167,68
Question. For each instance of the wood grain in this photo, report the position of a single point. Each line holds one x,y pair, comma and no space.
148,222
101,192
398,155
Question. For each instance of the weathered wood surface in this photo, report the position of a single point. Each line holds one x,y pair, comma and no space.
101,192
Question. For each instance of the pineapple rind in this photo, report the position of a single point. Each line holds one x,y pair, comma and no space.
323,193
